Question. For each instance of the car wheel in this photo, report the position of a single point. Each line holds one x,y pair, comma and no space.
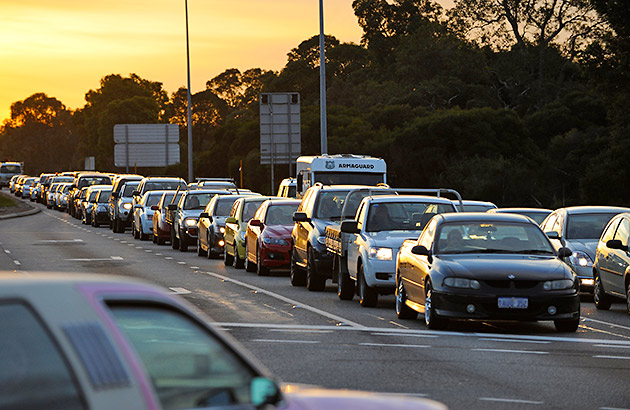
136,232
183,244
159,240
314,282
154,238
210,254
403,311
200,251
174,241
600,298
569,325
237,262
228,259
297,275
260,269
368,297
431,319
95,223
249,265
345,285
143,236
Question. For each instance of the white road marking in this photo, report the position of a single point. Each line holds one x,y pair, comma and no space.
286,341
182,263
197,267
510,400
61,240
180,291
300,331
168,258
389,334
7,251
390,345
616,347
606,323
342,321
158,254
149,250
613,408
612,357
111,258
509,351
17,263
493,339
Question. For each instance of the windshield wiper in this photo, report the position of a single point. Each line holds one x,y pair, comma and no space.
535,251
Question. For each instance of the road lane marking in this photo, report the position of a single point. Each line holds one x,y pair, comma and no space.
509,351
180,291
7,251
300,331
612,357
389,334
617,347
194,267
493,339
17,263
60,240
286,341
341,321
111,258
390,345
496,399
606,323
182,263
613,408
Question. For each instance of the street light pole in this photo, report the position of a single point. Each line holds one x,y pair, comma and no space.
190,142
322,81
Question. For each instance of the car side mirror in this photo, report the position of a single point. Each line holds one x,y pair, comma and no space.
172,207
135,193
420,250
263,392
616,244
155,207
114,195
255,222
301,217
230,220
350,227
204,215
553,235
564,252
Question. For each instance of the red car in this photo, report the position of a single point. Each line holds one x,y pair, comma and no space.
268,237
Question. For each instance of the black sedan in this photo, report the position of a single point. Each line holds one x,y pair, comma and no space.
485,267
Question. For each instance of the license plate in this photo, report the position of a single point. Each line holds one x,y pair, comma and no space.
513,303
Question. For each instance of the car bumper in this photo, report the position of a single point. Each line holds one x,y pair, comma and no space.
101,217
380,273
457,306
585,275
275,256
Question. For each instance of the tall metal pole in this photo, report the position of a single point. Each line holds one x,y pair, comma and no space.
322,81
190,142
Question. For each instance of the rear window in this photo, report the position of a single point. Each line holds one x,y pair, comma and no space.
87,181
11,169
224,205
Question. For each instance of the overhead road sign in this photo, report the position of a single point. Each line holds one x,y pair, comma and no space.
146,145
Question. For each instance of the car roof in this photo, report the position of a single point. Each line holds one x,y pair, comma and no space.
409,198
506,210
594,209
483,217
208,191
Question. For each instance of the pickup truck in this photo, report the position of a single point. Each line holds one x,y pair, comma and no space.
364,248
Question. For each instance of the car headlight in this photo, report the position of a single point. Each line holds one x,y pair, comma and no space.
463,283
321,240
581,259
190,222
65,198
127,205
222,229
558,284
382,254
275,241
242,235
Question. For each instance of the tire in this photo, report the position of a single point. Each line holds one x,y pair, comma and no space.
345,285
368,297
260,269
200,251
249,265
136,233
297,275
569,325
159,240
237,262
174,241
228,259
183,243
95,223
210,254
314,282
143,236
154,238
403,311
600,298
431,319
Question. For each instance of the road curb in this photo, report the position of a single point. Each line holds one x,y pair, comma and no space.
20,214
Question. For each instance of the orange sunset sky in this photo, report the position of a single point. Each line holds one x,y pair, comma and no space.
64,47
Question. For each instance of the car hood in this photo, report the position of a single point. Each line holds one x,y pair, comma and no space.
585,245
497,267
321,224
324,399
392,239
278,231
192,213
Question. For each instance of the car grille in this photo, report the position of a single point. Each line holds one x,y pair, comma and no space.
512,284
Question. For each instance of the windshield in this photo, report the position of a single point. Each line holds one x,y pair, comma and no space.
87,181
280,214
128,190
225,205
495,237
152,199
403,216
330,204
92,196
587,226
538,217
104,196
348,178
165,185
250,209
476,208
11,169
197,201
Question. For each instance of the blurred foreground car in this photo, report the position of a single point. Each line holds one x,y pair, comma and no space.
537,214
611,270
485,267
579,229
74,342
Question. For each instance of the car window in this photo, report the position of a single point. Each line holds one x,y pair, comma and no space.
224,205
403,216
427,235
587,226
330,204
33,374
198,201
280,214
104,196
188,366
610,231
128,190
623,231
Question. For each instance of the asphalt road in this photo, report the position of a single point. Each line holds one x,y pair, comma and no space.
315,338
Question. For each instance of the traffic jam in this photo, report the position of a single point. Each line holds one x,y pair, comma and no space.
445,260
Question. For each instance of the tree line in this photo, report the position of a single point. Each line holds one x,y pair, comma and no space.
519,102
